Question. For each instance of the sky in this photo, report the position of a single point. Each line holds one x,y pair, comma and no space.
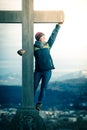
69,51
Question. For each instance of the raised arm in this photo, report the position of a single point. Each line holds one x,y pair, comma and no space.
54,34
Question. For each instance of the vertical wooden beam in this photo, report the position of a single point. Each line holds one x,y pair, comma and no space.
27,60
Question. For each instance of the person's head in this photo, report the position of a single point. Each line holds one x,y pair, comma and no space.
40,36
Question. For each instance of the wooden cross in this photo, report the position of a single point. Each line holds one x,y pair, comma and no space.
28,17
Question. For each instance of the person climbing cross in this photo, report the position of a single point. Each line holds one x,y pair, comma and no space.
43,62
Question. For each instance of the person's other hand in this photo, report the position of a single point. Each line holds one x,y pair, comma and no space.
61,22
21,52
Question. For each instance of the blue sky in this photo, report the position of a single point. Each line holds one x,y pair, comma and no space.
70,49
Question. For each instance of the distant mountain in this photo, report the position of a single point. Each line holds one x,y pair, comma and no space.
59,95
74,75
64,93
76,85
10,95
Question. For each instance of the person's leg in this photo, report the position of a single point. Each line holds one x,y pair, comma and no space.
45,79
37,77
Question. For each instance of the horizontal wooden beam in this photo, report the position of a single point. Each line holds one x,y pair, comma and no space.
10,16
48,16
39,16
